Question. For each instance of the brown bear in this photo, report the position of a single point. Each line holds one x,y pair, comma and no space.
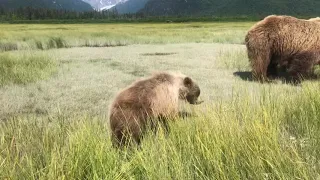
316,19
149,101
283,42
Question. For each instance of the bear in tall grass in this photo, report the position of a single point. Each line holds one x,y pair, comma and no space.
283,43
147,102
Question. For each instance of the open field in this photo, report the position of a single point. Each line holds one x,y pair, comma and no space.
50,36
54,123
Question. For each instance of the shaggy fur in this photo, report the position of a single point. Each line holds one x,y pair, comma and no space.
283,42
316,19
146,100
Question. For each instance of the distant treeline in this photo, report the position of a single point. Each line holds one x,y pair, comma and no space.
44,15
32,13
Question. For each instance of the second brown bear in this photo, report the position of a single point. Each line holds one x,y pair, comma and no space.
146,100
283,42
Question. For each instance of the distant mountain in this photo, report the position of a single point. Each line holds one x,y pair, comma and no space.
103,4
130,6
231,7
180,7
172,7
74,5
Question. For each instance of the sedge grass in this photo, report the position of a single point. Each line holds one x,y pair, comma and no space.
22,68
48,36
244,130
262,136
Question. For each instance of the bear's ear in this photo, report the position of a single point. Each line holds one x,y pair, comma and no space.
187,82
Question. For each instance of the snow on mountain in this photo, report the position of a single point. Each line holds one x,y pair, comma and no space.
107,7
103,4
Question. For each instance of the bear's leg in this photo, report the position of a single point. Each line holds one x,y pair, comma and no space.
118,138
260,60
159,122
301,67
127,134
136,131
272,71
164,122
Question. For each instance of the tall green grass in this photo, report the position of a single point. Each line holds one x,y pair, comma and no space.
265,135
25,68
48,36
233,58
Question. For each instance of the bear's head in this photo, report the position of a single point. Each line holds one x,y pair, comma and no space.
189,91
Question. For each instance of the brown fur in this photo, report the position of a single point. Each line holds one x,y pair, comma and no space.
316,19
283,41
152,98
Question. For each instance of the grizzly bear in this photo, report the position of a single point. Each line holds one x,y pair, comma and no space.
283,42
147,102
316,19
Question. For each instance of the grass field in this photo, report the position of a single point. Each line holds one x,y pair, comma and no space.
54,102
50,36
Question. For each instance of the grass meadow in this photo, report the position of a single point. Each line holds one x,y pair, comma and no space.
56,82
49,36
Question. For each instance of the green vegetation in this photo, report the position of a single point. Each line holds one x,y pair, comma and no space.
22,69
74,5
101,35
231,7
234,59
58,128
136,19
139,10
276,139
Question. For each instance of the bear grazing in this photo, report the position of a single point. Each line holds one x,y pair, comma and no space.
152,98
283,42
